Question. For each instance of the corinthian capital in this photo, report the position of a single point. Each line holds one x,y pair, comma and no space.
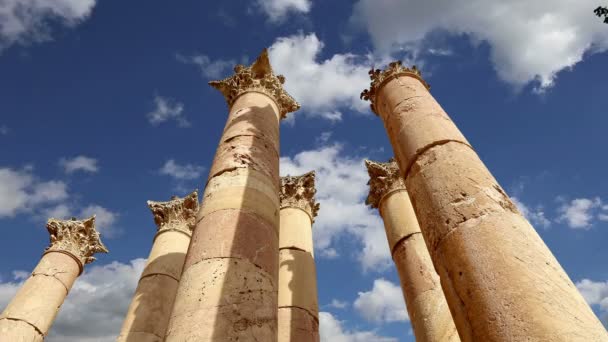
299,192
258,77
380,77
178,214
77,238
384,178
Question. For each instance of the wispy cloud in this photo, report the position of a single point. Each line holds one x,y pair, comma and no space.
79,163
167,109
181,171
210,69
580,213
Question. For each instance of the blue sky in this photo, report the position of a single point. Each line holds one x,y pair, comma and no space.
106,105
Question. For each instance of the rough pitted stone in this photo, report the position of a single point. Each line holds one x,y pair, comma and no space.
259,77
177,214
384,178
380,77
299,192
76,237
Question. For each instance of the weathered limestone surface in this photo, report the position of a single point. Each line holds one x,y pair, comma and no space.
298,314
150,309
228,288
501,281
29,316
426,305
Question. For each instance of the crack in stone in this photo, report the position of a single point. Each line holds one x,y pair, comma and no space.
400,241
26,322
158,274
424,149
53,275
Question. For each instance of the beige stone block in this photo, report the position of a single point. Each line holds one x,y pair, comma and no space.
18,331
248,121
153,301
398,216
167,255
296,230
413,119
224,299
242,189
39,299
298,280
259,103
234,233
297,325
246,152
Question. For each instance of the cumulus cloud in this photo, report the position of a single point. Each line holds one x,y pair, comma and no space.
383,303
21,191
278,10
181,171
529,40
320,85
79,163
210,69
338,304
105,219
332,330
579,213
166,110
25,21
535,215
341,191
596,294
96,305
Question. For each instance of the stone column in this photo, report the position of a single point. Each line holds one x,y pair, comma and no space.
298,303
501,281
29,316
150,309
228,290
428,310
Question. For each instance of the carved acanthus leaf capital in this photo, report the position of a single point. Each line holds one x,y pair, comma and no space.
384,178
379,77
77,238
299,192
257,77
177,214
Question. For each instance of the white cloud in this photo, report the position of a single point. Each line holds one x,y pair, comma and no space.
209,69
603,216
338,304
277,10
341,191
332,330
104,219
536,215
24,21
529,40
96,305
20,191
579,213
383,303
167,109
595,293
320,86
181,172
79,163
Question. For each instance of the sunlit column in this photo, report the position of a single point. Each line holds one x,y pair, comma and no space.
228,290
150,309
29,316
501,281
298,303
426,305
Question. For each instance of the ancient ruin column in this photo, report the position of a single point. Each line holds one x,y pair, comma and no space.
228,290
29,316
150,309
298,303
501,281
426,305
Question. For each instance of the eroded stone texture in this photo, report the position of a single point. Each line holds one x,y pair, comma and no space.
29,316
298,303
149,312
426,305
228,289
501,281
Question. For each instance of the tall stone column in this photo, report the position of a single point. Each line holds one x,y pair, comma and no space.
298,303
228,290
501,281
428,310
29,316
150,309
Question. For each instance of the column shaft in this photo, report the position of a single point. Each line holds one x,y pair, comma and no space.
501,281
228,289
426,305
298,304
